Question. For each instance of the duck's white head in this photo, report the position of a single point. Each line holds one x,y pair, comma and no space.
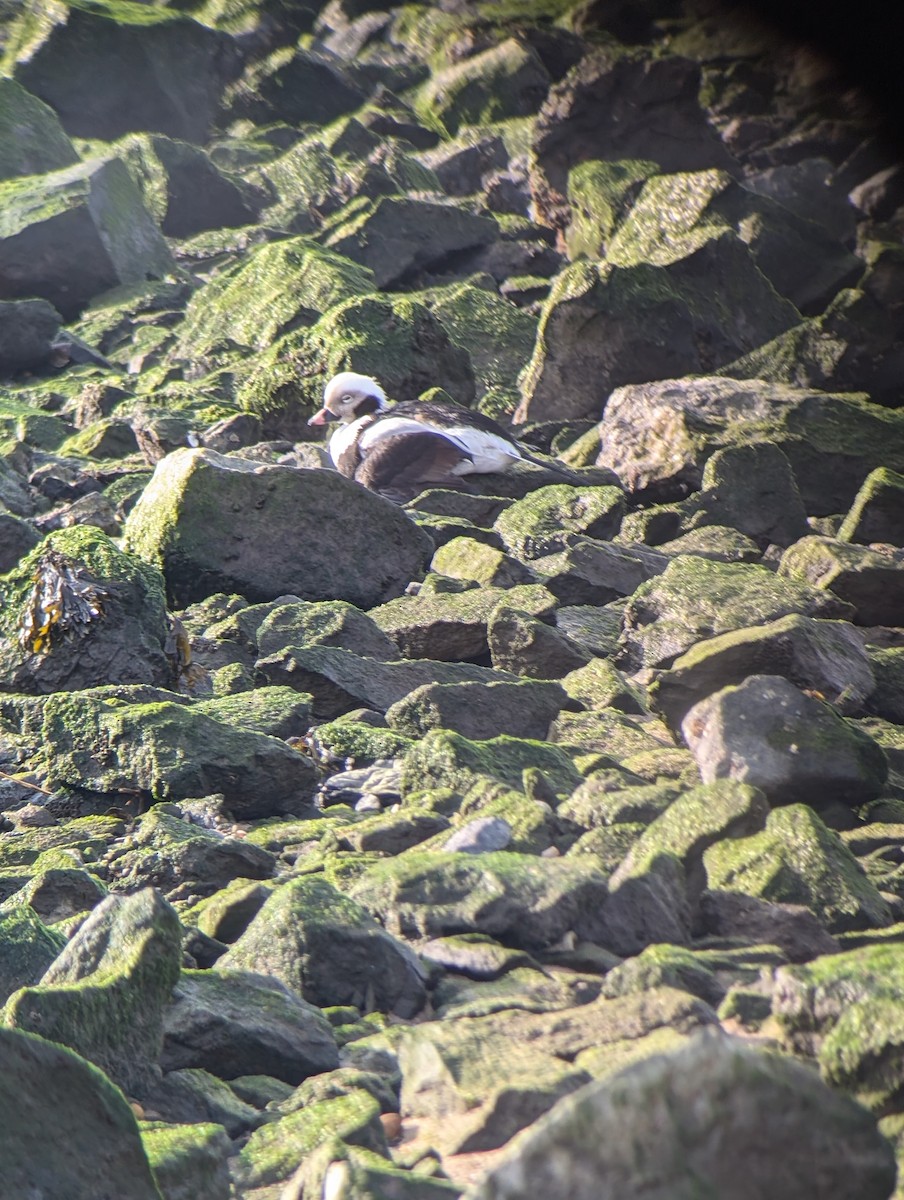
348,396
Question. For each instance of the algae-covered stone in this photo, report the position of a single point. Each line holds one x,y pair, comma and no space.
599,685
479,710
78,612
341,681
872,582
28,329
665,966
170,853
235,1023
275,287
845,1010
768,733
453,626
278,542
612,323
27,948
395,236
171,69
325,947
797,860
96,1147
527,646
600,192
589,572
826,656
464,557
188,1161
508,80
658,436
696,820
73,233
446,759
877,513
279,712
540,523
104,995
327,623
695,599
31,135
193,1096
785,1134
170,751
522,899
273,1152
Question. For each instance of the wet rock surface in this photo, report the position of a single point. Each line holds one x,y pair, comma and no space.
343,838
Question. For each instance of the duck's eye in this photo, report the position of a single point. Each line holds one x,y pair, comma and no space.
347,399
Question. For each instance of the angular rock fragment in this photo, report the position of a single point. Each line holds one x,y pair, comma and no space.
479,710
326,948
33,139
105,994
877,513
539,524
872,582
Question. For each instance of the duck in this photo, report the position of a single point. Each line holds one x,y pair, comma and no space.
388,448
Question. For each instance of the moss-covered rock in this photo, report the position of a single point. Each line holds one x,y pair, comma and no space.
663,1111
479,710
872,582
188,1161
327,623
325,947
70,234
508,80
31,134
521,899
845,1011
99,1142
695,599
877,513
542,522
797,860
78,612
237,1023
175,524
448,760
168,750
27,948
104,995
600,193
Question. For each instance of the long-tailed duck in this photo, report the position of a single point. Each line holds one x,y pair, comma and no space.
414,442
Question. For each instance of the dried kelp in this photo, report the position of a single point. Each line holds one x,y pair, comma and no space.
64,599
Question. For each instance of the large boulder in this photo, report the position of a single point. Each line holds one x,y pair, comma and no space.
285,535
28,329
617,104
768,733
171,70
646,314
658,436
715,1117
73,233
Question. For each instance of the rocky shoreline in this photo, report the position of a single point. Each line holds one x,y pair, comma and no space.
521,838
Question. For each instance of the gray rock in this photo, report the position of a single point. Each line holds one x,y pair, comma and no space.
327,623
31,133
383,779
172,72
192,1165
695,599
325,947
17,537
767,733
539,523
282,536
480,710
480,836
236,1023
589,572
792,927
655,1121
96,1149
797,860
526,646
872,582
647,907
27,948
192,1097
824,656
877,513
27,332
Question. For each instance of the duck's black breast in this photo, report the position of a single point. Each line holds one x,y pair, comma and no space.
409,458
448,416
